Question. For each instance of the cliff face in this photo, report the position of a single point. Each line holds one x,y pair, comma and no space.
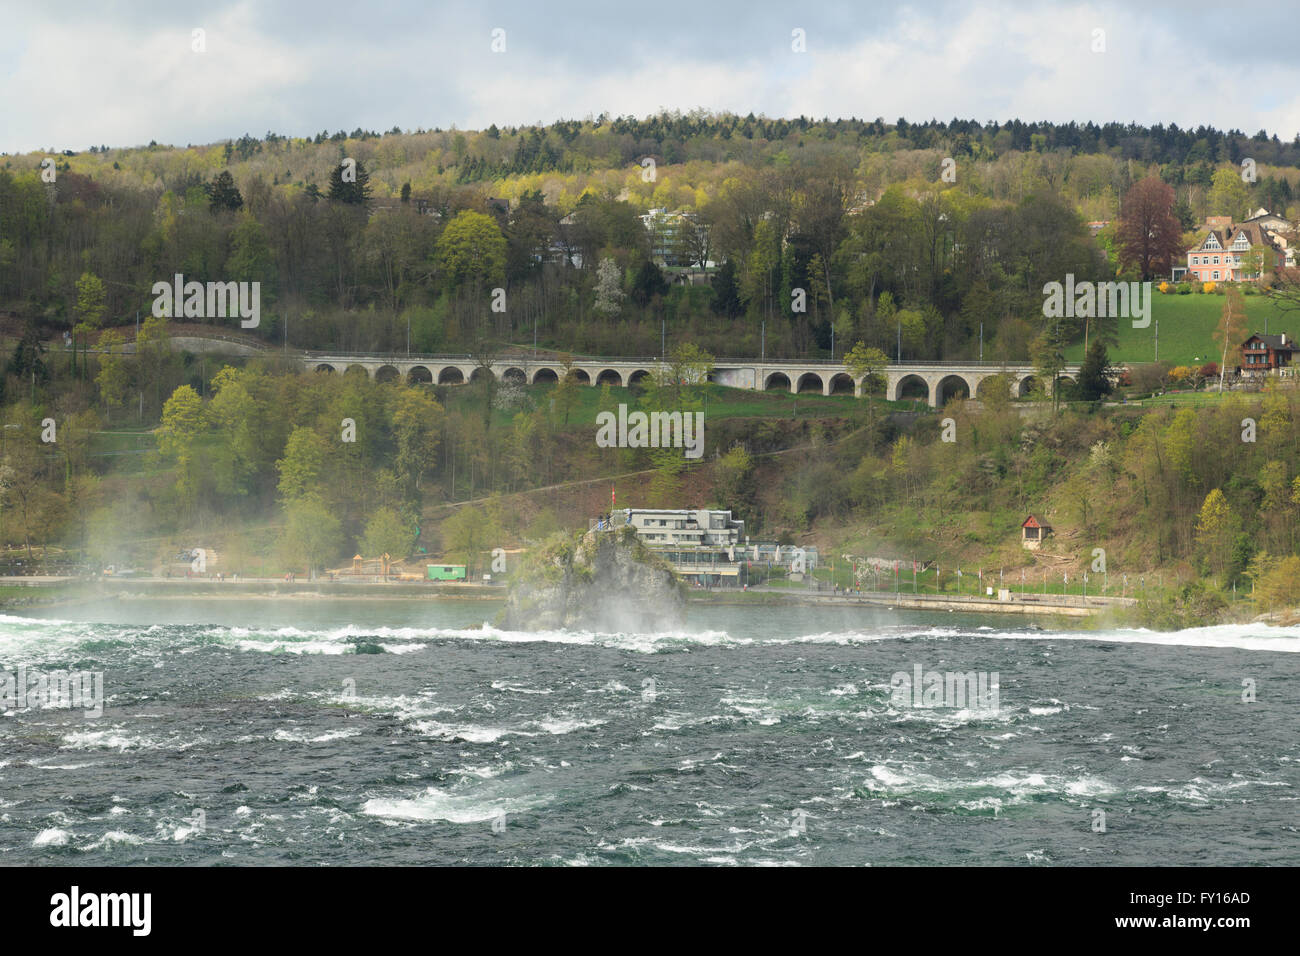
600,581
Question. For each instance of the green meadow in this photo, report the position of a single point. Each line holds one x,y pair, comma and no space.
1186,325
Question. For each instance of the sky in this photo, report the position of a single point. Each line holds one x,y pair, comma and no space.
76,74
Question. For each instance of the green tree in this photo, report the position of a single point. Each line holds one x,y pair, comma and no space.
472,250
90,302
352,189
469,532
300,468
114,378
182,419
417,427
223,194
1217,527
313,534
388,533
1094,378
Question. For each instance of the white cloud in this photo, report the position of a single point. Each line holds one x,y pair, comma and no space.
105,78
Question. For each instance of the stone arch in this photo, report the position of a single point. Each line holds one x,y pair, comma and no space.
777,381
950,387
419,375
636,378
515,375
353,369
609,377
912,387
581,377
810,382
326,368
451,375
842,384
1026,385
981,392
1064,383
387,373
480,374
545,376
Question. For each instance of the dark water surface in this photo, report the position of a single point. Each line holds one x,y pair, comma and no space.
244,732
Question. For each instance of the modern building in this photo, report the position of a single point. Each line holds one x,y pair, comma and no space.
685,528
708,547
675,237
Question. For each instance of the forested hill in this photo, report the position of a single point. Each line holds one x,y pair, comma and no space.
908,236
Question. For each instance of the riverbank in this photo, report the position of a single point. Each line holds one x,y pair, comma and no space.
1057,606
54,591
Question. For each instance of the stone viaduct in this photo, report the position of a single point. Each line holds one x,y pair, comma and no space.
932,382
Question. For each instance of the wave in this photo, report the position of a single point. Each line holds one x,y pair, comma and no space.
35,640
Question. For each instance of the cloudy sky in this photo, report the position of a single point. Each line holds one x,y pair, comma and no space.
74,74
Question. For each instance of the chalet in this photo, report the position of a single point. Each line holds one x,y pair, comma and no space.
1033,532
1238,252
1264,354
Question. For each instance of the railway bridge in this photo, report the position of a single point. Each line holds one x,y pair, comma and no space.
933,382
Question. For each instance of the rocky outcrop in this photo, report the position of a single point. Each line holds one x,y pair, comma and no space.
603,581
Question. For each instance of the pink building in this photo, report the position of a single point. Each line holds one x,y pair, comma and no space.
1227,251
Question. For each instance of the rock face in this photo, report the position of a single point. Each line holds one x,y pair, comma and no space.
604,581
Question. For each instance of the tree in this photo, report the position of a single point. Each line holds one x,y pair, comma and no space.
182,418
648,283
354,193
1216,530
28,502
90,302
114,378
566,390
417,427
1232,324
156,361
1094,378
470,531
1230,195
388,533
472,250
1048,356
313,534
685,365
865,365
726,298
1150,235
300,468
609,289
223,194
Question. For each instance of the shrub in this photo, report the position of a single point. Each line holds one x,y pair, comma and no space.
1207,288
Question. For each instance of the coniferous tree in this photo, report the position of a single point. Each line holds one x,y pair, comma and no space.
354,193
223,194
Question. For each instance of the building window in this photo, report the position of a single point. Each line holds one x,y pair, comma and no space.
1216,262
1216,273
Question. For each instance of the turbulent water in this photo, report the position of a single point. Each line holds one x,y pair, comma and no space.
253,732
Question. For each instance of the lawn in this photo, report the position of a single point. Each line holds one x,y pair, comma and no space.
1186,325
716,401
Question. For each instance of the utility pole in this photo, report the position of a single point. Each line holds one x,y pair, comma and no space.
899,358
981,341
1157,358
763,353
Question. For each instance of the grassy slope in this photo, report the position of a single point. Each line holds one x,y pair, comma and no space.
1187,324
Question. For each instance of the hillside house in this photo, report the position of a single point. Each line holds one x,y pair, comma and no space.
1238,252
1033,532
1265,354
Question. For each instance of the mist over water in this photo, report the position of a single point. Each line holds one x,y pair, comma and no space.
349,732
